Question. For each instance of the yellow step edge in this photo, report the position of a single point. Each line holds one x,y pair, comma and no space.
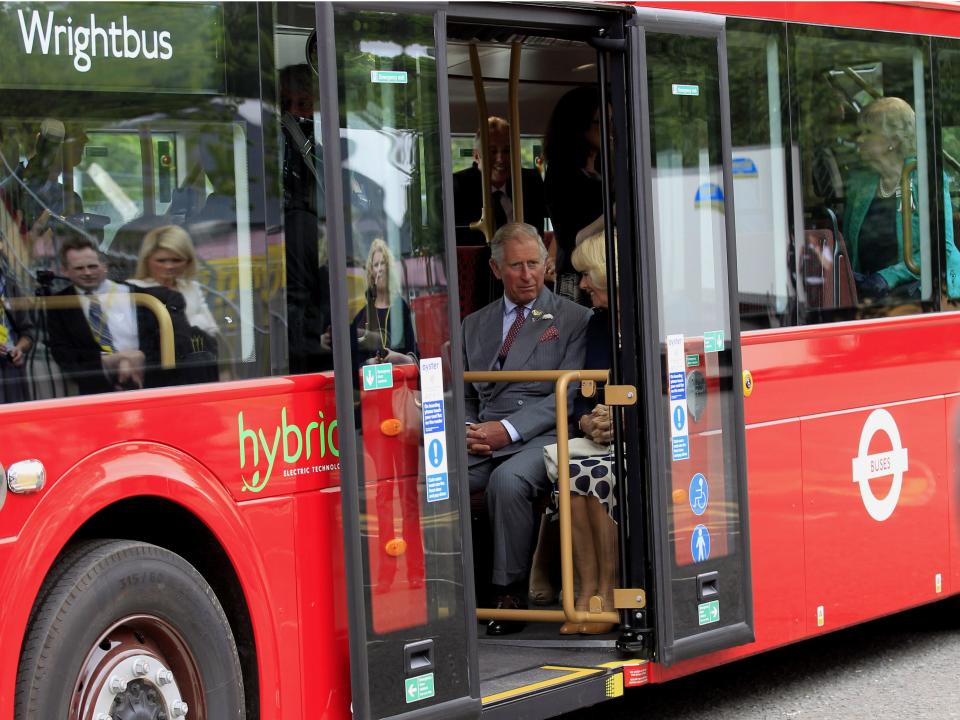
573,674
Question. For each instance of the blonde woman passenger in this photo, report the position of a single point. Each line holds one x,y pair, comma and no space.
168,259
383,328
593,504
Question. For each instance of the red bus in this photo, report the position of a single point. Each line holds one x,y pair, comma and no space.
225,500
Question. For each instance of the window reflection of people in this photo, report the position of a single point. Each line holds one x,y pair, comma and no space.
574,188
873,220
16,337
308,278
383,328
168,260
97,344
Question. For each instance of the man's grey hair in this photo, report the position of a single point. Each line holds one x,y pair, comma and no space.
514,231
494,123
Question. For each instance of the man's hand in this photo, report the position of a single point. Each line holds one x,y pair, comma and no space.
484,438
125,369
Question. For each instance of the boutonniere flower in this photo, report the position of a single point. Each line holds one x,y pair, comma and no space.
540,315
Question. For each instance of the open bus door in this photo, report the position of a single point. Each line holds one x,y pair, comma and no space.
699,551
412,638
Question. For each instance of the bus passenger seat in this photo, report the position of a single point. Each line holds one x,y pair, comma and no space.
819,272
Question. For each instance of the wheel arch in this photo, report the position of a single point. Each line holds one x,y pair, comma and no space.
152,493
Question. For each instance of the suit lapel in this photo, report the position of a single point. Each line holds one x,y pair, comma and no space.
490,329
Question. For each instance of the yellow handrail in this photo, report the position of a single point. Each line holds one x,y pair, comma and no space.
562,378
485,223
66,302
906,215
515,158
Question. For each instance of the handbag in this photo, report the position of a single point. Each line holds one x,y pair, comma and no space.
579,447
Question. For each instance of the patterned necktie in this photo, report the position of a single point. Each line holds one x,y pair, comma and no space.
499,214
511,334
98,324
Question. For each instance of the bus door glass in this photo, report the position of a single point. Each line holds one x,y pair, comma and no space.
411,623
701,596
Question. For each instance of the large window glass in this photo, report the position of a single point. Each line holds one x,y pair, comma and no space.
841,211
760,135
867,185
134,190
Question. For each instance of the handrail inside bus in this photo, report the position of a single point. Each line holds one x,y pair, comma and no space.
906,216
514,99
562,378
66,302
485,223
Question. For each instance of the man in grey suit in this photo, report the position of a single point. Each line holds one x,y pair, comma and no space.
508,425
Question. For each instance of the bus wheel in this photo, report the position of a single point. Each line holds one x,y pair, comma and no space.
126,630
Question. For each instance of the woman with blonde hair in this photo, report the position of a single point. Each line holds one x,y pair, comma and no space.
168,260
593,506
383,328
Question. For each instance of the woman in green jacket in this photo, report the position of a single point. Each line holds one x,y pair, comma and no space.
873,221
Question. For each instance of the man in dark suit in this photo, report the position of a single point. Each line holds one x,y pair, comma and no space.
508,425
99,343
468,197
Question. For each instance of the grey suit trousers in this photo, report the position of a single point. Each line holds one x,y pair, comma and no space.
512,483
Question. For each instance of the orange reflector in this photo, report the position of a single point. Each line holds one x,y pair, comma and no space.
679,496
390,427
396,547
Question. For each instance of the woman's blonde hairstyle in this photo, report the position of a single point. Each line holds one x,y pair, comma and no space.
171,238
393,282
895,119
590,257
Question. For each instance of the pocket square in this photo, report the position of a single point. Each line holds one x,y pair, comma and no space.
551,333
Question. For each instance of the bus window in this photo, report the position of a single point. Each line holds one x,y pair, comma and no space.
862,118
758,94
948,55
124,182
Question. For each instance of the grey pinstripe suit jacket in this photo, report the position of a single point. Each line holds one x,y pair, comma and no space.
530,407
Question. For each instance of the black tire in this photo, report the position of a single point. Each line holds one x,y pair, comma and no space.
105,602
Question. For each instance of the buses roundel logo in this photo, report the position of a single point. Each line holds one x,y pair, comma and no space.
892,462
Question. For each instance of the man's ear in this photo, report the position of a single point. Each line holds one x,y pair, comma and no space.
476,156
495,269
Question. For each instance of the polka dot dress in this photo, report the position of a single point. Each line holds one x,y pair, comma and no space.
593,476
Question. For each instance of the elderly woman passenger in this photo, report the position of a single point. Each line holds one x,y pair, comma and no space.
873,220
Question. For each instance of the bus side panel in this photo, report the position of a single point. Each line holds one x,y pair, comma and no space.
323,605
776,546
798,372
865,529
953,485
776,532
272,521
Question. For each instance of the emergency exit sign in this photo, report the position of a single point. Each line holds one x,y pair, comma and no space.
709,612
419,688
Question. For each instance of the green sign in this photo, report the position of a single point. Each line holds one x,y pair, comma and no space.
390,77
692,90
377,377
713,341
116,47
693,360
709,612
418,688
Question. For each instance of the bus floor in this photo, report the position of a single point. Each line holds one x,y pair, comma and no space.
538,663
